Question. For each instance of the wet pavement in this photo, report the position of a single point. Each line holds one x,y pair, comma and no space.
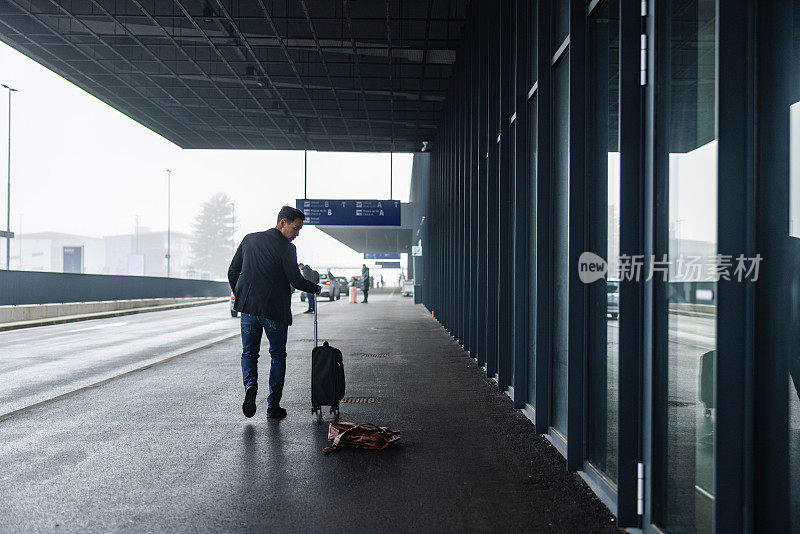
168,449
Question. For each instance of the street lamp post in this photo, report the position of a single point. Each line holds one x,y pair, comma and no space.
8,198
169,206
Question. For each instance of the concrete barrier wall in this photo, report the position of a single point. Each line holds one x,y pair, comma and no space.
26,287
33,312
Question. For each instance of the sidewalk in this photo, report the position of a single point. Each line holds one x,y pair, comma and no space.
167,449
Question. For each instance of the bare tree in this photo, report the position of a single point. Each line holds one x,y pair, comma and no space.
213,231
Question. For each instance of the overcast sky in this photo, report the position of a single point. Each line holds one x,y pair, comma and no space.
79,166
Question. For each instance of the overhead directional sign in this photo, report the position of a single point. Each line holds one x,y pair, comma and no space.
371,256
350,212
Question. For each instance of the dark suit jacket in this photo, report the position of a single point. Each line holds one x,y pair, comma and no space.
262,269
365,279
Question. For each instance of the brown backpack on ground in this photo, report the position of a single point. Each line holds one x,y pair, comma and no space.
363,435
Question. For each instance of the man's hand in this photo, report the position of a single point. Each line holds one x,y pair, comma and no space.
319,290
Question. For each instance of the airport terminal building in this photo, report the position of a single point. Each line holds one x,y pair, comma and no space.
605,201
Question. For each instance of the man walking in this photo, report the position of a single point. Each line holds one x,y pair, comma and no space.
365,281
312,276
264,266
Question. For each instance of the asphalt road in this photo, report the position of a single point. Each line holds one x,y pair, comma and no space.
39,364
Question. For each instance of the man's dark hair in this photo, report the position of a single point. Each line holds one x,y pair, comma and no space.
290,214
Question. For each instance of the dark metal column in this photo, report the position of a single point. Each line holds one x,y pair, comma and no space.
631,120
521,211
544,211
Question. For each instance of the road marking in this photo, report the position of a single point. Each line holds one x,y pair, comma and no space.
96,327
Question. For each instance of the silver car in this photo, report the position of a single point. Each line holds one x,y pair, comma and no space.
612,302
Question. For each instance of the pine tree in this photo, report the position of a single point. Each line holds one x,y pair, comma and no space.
213,234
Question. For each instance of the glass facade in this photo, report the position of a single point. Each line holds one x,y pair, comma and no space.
626,159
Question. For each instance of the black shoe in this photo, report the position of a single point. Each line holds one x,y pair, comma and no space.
276,412
309,311
249,404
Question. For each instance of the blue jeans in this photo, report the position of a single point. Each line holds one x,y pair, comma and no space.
312,301
251,345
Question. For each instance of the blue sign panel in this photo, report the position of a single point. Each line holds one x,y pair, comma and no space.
350,212
370,256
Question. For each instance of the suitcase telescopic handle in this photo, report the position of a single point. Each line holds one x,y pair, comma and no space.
316,303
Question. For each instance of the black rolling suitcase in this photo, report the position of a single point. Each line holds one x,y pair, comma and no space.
327,375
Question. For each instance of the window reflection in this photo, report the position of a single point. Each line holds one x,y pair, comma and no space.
794,358
604,193
687,485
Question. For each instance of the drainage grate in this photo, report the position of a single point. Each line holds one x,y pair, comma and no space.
680,404
383,355
358,400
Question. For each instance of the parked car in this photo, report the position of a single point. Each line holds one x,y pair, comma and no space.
407,290
343,287
234,313
612,302
330,286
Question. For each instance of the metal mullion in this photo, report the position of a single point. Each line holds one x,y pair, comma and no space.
632,224
544,212
160,62
733,470
356,60
233,71
482,140
521,292
447,272
776,332
577,291
469,174
264,73
462,201
493,250
100,65
325,67
505,262
474,179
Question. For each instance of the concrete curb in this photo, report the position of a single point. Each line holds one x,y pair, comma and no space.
103,315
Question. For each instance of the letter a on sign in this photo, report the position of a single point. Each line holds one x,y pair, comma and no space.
381,213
